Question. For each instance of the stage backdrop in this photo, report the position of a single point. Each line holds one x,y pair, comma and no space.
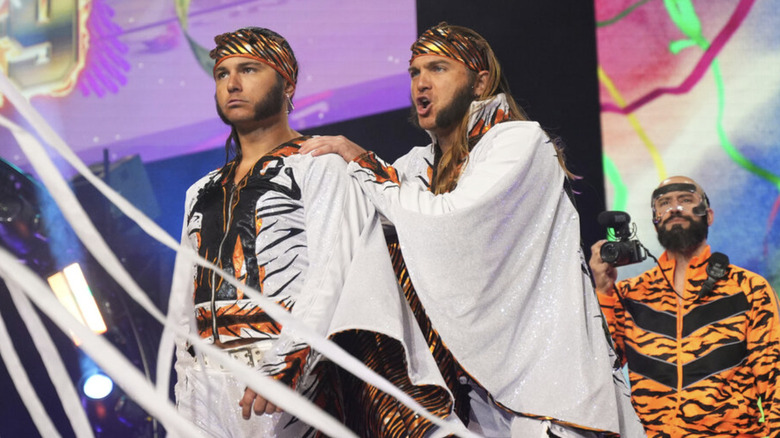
691,88
134,77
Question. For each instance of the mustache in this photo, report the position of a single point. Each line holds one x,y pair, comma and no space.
677,216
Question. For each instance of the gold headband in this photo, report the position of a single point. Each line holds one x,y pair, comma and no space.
443,41
249,43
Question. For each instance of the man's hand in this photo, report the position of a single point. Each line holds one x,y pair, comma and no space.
604,274
327,144
252,401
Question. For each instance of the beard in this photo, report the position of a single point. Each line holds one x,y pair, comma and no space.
269,106
679,239
453,113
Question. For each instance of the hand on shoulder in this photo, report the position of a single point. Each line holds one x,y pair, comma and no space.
328,144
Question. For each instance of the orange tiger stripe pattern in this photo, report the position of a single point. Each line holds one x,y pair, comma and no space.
234,317
486,118
250,44
370,412
448,366
440,41
383,173
289,370
698,365
324,389
286,149
233,223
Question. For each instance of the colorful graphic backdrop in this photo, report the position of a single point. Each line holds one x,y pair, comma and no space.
131,76
692,88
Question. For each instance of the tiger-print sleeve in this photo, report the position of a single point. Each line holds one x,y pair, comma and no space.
512,156
286,362
383,173
764,349
378,180
615,315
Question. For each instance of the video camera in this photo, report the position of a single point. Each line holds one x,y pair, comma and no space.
624,250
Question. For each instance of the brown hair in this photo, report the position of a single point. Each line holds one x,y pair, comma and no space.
447,171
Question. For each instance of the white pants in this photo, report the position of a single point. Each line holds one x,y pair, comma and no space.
210,400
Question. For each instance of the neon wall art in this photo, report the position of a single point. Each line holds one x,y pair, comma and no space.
691,88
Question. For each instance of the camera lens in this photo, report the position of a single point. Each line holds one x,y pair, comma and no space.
610,252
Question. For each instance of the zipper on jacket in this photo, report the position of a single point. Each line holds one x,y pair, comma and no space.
214,332
680,313
679,354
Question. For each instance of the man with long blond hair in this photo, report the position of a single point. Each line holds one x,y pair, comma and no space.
490,239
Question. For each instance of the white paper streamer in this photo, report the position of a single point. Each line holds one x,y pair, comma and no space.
100,350
23,386
80,222
283,396
53,363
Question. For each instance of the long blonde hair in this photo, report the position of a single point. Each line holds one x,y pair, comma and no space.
447,171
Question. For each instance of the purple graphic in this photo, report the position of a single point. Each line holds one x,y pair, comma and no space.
105,64
143,91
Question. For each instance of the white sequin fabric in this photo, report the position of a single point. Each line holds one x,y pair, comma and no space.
497,265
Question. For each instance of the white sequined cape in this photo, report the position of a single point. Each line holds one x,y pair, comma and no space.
498,267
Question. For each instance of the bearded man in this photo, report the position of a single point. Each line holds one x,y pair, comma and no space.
702,344
293,228
491,260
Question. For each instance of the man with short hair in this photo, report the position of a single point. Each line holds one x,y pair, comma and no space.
702,344
490,241
251,218
295,229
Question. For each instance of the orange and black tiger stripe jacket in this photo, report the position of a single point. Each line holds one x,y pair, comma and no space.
699,365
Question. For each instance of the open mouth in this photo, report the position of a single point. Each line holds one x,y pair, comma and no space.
423,103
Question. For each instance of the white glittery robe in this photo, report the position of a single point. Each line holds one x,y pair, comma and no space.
498,267
345,257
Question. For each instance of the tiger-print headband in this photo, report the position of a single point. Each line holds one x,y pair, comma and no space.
443,41
249,43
